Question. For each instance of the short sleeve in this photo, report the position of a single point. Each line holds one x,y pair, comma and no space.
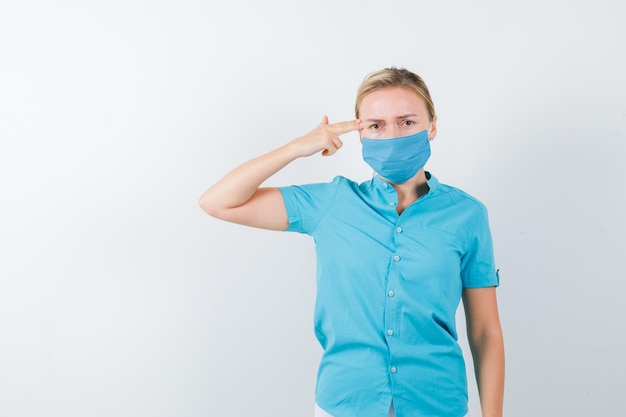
478,264
307,204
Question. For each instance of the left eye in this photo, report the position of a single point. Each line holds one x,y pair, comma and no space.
408,122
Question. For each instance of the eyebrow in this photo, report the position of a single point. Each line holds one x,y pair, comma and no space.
403,116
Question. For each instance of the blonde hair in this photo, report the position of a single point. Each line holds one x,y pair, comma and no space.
394,77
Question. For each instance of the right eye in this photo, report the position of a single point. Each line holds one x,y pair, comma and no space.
375,126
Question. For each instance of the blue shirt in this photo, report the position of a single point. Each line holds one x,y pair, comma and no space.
388,287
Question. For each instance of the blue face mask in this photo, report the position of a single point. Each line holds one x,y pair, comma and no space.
397,159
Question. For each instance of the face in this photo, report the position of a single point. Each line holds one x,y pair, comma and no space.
394,111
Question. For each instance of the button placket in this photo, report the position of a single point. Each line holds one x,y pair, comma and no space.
390,194
392,318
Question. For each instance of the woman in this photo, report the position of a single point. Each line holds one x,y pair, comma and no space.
395,254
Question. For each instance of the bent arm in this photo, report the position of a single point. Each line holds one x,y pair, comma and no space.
237,197
487,345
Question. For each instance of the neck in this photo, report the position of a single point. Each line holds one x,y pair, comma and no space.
409,191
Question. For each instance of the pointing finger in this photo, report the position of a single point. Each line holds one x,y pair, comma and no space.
344,127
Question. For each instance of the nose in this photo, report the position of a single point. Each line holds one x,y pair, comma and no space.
392,131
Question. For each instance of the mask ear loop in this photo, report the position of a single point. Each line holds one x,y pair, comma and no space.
430,126
361,140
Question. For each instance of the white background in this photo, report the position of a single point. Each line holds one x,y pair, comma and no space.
119,297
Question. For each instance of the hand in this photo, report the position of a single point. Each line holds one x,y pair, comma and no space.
324,138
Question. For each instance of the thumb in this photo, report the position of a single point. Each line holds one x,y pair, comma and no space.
324,121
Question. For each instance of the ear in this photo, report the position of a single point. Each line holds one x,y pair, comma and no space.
432,130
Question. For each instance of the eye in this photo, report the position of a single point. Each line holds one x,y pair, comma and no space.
409,122
375,126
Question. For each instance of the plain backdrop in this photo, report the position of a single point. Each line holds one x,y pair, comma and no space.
120,297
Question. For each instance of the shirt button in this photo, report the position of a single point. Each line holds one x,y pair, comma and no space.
385,185
393,369
399,229
389,332
396,258
391,293
391,203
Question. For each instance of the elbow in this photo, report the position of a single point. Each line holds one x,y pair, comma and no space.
490,337
207,205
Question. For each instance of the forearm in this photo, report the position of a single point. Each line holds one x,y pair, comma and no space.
240,184
237,197
488,353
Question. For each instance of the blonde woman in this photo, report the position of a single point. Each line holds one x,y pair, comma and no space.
395,255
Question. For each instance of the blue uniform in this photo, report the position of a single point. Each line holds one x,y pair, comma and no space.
388,287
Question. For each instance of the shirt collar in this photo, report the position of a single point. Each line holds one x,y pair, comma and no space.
431,180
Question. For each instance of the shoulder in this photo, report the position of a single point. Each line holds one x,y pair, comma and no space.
458,205
336,183
323,190
454,196
460,197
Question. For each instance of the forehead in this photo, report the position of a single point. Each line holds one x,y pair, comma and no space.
391,101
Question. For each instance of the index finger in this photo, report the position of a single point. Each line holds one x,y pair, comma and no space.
344,127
